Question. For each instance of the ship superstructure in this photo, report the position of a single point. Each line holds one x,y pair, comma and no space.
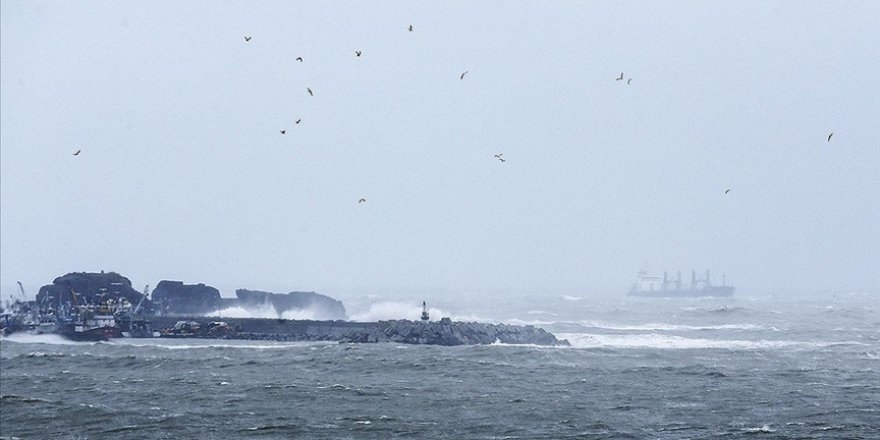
651,285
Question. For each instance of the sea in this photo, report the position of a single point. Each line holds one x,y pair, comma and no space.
762,367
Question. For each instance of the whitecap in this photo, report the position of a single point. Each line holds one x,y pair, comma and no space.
662,341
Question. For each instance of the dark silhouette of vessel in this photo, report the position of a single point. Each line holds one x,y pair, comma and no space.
648,285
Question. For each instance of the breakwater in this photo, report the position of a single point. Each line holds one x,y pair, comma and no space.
443,332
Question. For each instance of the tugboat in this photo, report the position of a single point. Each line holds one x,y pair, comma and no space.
665,287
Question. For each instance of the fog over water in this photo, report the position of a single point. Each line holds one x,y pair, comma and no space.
183,172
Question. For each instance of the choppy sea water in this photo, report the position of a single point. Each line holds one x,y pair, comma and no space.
640,369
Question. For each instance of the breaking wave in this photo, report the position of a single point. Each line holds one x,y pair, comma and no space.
644,327
392,310
267,311
28,338
656,340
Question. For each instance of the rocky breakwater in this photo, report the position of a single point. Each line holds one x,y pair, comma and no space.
447,332
443,332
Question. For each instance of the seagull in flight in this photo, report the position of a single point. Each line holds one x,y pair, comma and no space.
362,200
246,38
283,131
300,59
77,152
498,156
298,121
727,191
629,81
463,74
310,91
357,53
829,137
621,76
410,28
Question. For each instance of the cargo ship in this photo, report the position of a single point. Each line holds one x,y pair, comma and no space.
648,285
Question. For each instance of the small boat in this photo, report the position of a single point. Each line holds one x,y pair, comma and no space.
88,324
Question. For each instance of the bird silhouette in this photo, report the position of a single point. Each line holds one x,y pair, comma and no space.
298,121
498,156
246,38
629,81
463,74
621,76
357,53
727,191
501,159
300,59
362,200
77,152
283,131
829,137
410,28
310,91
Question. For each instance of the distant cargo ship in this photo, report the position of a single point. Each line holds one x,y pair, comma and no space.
660,287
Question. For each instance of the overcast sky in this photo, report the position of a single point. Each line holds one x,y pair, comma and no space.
183,172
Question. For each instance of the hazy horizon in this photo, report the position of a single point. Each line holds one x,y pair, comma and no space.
184,175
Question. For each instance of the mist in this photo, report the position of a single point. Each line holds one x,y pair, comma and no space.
184,174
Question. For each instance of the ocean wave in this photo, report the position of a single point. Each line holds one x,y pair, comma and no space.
674,327
644,327
213,344
761,430
50,339
656,340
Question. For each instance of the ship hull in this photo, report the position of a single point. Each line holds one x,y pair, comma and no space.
89,334
722,291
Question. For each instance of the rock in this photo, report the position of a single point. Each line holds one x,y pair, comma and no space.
318,306
90,288
176,298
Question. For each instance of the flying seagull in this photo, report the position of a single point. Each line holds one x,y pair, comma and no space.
501,159
727,191
498,156
300,59
357,52
362,200
246,38
77,152
829,137
629,81
621,76
463,74
298,121
283,131
310,91
410,28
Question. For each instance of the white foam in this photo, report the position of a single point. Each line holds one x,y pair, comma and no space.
643,327
267,311
764,428
390,310
190,344
29,338
673,327
661,341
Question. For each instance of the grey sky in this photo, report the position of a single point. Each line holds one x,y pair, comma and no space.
184,174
